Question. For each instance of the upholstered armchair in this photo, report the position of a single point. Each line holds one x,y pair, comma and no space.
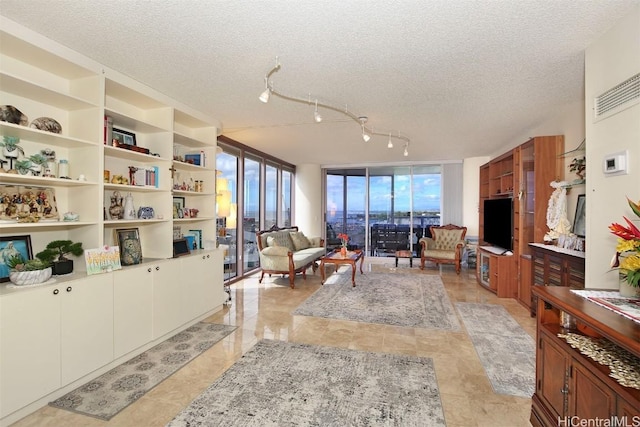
444,246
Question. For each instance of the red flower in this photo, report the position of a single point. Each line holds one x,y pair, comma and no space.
629,233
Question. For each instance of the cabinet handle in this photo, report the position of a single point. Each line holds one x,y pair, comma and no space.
203,257
157,268
69,288
56,292
564,390
149,269
208,255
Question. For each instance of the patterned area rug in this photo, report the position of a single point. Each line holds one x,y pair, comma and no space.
113,391
507,352
281,383
411,300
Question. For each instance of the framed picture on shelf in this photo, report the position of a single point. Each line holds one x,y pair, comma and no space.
579,226
128,240
180,247
194,159
197,234
123,137
178,207
11,246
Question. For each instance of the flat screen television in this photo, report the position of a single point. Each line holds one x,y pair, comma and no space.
498,222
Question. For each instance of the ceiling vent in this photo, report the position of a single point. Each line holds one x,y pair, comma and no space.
617,98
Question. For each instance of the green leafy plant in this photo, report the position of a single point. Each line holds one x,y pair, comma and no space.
17,263
578,165
10,143
58,250
38,159
23,166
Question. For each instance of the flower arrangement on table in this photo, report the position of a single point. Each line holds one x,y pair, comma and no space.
344,239
628,248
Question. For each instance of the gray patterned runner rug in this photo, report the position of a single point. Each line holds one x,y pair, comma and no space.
411,300
507,352
280,383
113,391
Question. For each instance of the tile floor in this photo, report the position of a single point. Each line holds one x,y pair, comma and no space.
263,311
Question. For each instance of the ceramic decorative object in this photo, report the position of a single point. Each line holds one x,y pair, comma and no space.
129,209
343,251
47,124
30,277
145,212
116,210
70,216
9,113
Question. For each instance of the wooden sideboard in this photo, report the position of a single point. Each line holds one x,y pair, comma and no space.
554,266
570,385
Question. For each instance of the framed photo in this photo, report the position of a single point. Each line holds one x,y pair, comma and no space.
128,240
194,159
178,207
579,226
180,247
11,246
123,137
197,234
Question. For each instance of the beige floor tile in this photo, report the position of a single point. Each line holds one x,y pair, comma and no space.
263,311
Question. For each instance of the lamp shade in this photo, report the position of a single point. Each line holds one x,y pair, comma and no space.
232,219
222,184
223,201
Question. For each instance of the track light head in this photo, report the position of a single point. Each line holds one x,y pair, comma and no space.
264,96
316,116
406,150
390,144
365,137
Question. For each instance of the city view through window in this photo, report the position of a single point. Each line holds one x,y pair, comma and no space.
402,203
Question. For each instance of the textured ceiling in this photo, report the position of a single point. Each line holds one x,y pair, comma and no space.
460,78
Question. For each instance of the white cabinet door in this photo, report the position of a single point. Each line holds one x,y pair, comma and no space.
132,309
168,296
203,282
29,346
87,325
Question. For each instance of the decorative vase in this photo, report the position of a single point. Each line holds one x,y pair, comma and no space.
116,210
129,209
343,251
30,277
626,290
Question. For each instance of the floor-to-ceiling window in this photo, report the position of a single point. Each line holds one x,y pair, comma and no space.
261,188
251,213
384,208
227,167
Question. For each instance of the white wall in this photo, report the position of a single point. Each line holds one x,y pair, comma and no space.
612,59
471,194
308,199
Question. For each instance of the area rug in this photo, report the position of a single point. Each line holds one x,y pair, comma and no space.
507,352
282,383
113,391
411,300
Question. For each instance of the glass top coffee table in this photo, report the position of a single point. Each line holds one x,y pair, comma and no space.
351,258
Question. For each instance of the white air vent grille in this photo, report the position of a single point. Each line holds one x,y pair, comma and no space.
618,98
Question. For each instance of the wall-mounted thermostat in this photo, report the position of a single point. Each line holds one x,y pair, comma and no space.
616,163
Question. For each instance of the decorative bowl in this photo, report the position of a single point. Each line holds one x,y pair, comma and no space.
30,277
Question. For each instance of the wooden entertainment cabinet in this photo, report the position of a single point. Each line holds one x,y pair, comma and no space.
523,174
570,385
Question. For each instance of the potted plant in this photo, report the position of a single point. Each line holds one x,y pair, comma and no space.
56,253
39,162
578,165
29,272
23,166
11,149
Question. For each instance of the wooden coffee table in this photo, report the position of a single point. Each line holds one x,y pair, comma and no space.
336,258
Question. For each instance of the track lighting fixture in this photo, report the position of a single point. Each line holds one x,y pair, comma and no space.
264,96
367,132
316,116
